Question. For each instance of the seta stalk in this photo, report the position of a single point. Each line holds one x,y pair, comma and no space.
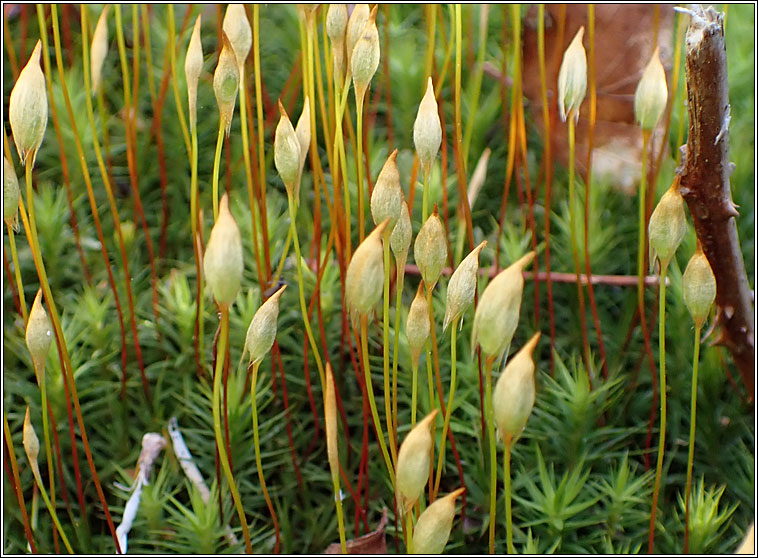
430,349
157,130
62,151
640,289
507,477
425,198
431,28
359,161
261,151
414,392
386,347
301,291
662,435
450,398
399,276
42,382
409,531
332,450
249,172
460,161
312,59
339,155
131,139
34,466
198,251
438,382
41,272
111,200
574,246
691,451
217,164
340,515
77,475
429,381
642,232
171,40
490,418
30,227
17,482
476,83
460,156
85,171
588,183
258,464
223,457
17,272
548,159
372,401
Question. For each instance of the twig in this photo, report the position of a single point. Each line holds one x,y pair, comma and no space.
182,453
705,185
152,444
184,456
559,277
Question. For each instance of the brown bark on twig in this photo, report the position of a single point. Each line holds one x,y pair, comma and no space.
705,185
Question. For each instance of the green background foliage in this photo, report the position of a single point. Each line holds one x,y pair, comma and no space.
580,482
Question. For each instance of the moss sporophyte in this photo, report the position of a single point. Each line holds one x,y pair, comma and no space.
450,173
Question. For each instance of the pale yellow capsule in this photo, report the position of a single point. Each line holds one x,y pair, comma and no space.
364,59
413,462
31,443
417,325
355,26
336,21
514,395
365,274
387,196
226,82
303,133
667,226
193,66
128,229
747,546
222,262
699,287
430,249
39,334
99,49
462,286
427,129
287,153
27,107
330,419
336,28
478,177
651,95
11,194
432,530
237,28
261,332
572,78
400,239
497,313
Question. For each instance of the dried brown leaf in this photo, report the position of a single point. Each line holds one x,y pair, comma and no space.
370,543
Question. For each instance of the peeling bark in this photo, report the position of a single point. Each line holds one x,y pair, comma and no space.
705,186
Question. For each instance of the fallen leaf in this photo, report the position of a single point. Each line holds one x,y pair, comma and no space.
370,543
